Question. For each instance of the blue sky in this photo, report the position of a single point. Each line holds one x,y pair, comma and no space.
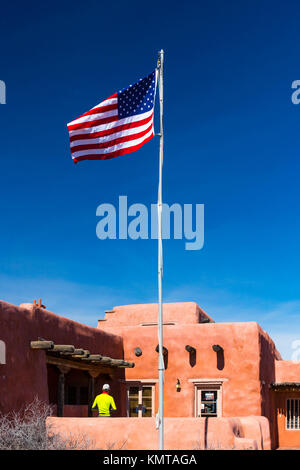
231,143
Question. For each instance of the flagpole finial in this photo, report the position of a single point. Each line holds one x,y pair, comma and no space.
159,60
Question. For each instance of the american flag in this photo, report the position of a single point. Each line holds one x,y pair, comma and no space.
118,125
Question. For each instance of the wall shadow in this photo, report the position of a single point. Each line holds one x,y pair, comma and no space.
220,360
193,358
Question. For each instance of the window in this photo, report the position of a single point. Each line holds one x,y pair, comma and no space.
140,399
84,395
76,395
208,400
293,413
71,398
208,406
2,352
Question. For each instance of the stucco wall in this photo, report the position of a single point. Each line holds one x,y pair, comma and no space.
25,373
133,315
267,358
287,438
180,433
287,371
240,370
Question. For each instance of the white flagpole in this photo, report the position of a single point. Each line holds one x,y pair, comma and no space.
161,365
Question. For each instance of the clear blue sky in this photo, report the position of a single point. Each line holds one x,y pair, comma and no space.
231,143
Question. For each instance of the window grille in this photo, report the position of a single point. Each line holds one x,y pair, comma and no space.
209,402
293,413
140,401
208,399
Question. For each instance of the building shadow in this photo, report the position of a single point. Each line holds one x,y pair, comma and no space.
205,432
220,360
192,354
165,355
193,358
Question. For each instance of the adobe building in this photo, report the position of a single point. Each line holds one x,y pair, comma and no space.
225,383
60,361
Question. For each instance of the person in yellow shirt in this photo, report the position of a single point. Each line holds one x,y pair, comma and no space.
104,402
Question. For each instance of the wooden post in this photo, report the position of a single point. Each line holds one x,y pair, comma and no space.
61,390
91,393
61,395
93,374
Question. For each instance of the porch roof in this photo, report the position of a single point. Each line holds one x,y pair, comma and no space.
285,386
76,357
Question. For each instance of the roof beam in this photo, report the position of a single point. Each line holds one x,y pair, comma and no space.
80,355
41,344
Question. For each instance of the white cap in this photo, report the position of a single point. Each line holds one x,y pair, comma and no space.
106,387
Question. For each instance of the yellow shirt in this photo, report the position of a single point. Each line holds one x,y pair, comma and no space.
104,402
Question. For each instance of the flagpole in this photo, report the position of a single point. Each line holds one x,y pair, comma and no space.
161,365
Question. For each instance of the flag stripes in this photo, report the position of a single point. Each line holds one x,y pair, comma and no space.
122,150
116,126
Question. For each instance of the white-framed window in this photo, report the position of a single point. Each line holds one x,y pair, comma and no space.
292,420
208,399
140,399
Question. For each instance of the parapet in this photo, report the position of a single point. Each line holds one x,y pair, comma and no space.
147,315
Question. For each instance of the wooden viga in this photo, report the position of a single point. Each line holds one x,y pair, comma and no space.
82,355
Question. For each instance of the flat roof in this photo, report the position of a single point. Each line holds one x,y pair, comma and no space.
281,386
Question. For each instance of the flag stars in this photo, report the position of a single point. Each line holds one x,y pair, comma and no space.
137,98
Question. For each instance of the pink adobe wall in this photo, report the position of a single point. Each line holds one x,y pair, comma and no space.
129,315
249,359
268,355
287,438
287,371
240,372
25,373
180,433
